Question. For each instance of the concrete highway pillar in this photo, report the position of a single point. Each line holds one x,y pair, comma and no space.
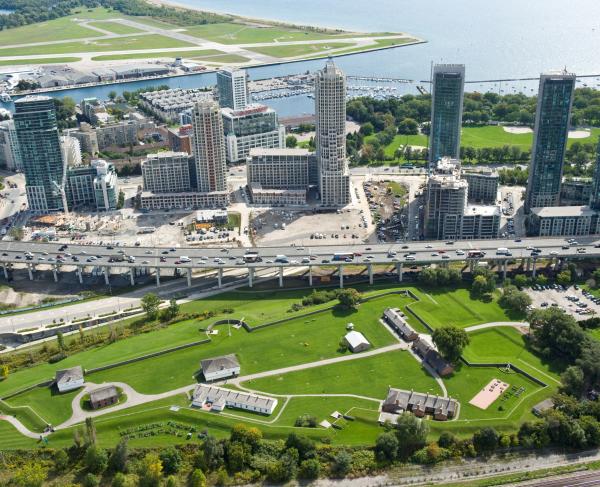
220,277
280,276
189,277
54,272
533,271
157,276
5,272
504,266
30,272
399,271
370,267
106,275
79,275
528,265
341,273
131,275
250,276
310,275
471,265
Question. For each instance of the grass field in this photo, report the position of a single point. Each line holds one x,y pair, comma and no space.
115,27
47,402
152,55
298,50
397,369
57,60
150,41
53,30
222,59
379,43
440,307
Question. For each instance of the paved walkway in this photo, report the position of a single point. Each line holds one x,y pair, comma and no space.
20,427
495,324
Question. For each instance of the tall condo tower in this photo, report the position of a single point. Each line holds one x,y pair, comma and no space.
208,146
447,94
41,155
555,99
233,88
330,111
595,196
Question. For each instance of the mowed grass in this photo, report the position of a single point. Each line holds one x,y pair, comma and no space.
52,406
53,30
152,55
443,307
150,41
26,415
54,60
115,27
299,49
301,340
11,439
378,44
223,59
369,376
507,344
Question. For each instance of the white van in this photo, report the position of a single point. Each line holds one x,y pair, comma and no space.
185,258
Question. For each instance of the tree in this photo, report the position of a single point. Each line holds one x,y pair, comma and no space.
305,446
309,469
90,431
367,129
30,475
408,126
213,453
428,277
96,459
197,478
479,286
386,447
412,435
171,481
112,95
121,200
564,278
4,371
118,459
151,471
291,142
349,298
341,464
60,340
150,303
61,461
573,381
16,233
450,341
521,281
485,440
514,299
91,480
171,460
556,334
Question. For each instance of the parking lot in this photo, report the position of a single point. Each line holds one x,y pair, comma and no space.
576,302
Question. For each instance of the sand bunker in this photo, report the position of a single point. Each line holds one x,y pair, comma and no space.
579,134
518,130
489,394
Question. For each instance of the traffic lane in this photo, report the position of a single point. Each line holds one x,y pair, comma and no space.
586,479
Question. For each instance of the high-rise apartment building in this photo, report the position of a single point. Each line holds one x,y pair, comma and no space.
447,94
166,172
595,196
39,142
330,116
10,154
208,145
555,99
233,88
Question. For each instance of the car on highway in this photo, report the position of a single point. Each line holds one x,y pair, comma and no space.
410,257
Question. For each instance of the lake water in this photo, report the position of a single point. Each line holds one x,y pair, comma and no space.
495,39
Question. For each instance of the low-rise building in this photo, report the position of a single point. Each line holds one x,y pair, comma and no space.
395,319
356,341
86,135
120,134
557,221
179,140
576,192
276,197
217,399
483,185
95,111
420,404
282,168
191,200
169,105
220,367
432,357
103,397
69,379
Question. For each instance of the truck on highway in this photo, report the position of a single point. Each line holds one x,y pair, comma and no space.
116,258
502,251
282,259
475,254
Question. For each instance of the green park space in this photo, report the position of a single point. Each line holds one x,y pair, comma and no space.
115,27
151,55
298,49
150,41
398,369
53,30
222,59
378,44
49,404
442,307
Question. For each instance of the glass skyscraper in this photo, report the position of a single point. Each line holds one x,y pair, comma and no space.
41,155
555,99
595,196
447,94
233,88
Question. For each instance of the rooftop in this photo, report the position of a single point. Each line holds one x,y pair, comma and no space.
211,365
563,211
69,375
203,393
103,393
261,151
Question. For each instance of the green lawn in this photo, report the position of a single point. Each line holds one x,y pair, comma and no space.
379,43
299,49
397,369
151,55
52,30
295,342
11,439
27,415
54,60
150,41
223,59
441,307
115,27
50,405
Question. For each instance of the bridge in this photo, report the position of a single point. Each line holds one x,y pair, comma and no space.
56,258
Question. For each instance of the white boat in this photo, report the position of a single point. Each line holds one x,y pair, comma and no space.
5,97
